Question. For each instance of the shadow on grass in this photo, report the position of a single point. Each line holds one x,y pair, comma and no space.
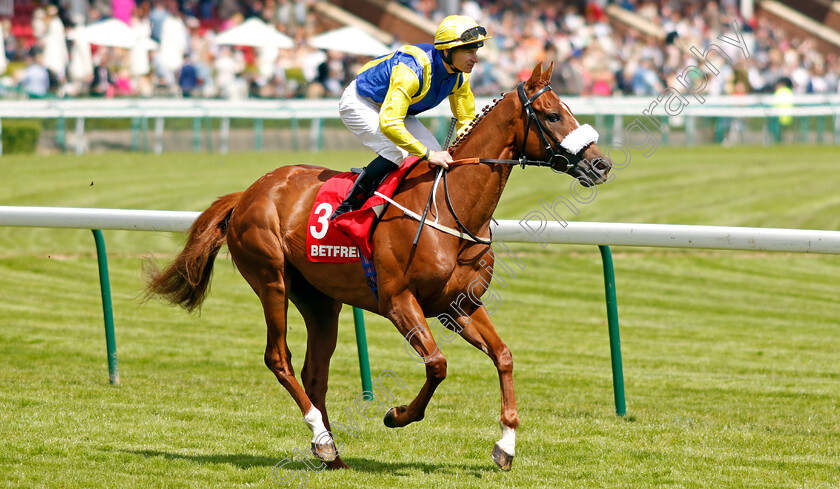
244,461
240,460
403,468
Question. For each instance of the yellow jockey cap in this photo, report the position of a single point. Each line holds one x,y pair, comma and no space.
458,30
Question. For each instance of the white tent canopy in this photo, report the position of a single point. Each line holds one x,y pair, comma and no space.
256,33
112,33
350,40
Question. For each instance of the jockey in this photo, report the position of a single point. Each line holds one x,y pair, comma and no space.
380,106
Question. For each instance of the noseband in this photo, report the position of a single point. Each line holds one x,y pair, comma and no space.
569,149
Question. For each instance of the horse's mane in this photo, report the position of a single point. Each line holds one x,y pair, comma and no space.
478,118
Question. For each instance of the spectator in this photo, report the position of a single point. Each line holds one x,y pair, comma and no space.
9,43
76,11
139,53
123,83
102,7
80,70
188,78
54,44
36,79
204,72
102,83
205,9
645,81
227,68
156,18
122,10
3,60
783,101
174,41
569,76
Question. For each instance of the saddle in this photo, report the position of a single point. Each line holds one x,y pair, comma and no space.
347,238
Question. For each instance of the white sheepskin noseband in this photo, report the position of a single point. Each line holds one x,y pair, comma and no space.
579,139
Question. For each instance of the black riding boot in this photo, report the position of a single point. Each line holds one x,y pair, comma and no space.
364,186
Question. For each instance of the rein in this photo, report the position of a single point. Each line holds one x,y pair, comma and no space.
558,150
523,162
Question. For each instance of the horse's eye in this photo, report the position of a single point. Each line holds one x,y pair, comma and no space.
552,117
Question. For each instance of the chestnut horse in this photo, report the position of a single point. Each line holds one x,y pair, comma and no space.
265,228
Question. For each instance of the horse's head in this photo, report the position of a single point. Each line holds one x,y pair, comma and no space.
551,132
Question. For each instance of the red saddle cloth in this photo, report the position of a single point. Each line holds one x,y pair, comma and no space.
340,241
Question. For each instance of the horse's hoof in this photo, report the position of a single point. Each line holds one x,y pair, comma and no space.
502,458
390,418
325,452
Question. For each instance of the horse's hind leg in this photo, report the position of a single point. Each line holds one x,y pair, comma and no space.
261,261
479,331
320,313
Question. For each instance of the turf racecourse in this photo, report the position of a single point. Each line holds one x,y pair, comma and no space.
732,359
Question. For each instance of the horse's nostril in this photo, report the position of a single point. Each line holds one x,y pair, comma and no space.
601,164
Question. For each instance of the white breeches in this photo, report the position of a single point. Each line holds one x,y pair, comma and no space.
361,116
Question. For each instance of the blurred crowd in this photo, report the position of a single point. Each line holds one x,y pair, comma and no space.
590,57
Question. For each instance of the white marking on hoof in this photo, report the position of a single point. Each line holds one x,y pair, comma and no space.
323,446
508,441
505,449
315,421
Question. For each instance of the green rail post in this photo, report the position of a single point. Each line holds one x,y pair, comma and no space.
804,128
196,134
615,341
316,134
61,134
820,128
135,134
258,134
107,308
295,131
719,129
208,134
361,345
144,129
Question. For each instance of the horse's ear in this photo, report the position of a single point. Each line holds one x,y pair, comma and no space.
536,75
546,75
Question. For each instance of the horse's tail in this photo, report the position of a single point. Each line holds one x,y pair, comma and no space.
186,280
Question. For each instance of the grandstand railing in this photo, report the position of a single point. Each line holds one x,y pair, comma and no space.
612,114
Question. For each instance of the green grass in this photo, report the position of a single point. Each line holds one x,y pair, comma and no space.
732,359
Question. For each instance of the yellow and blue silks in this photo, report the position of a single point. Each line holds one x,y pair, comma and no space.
409,81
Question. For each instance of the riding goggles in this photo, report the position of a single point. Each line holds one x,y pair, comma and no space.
470,35
473,34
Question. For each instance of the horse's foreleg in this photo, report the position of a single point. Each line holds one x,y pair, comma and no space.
479,331
407,315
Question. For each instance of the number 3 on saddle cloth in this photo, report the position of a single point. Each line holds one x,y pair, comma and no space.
347,238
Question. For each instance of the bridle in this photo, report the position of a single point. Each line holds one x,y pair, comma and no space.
556,148
572,160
